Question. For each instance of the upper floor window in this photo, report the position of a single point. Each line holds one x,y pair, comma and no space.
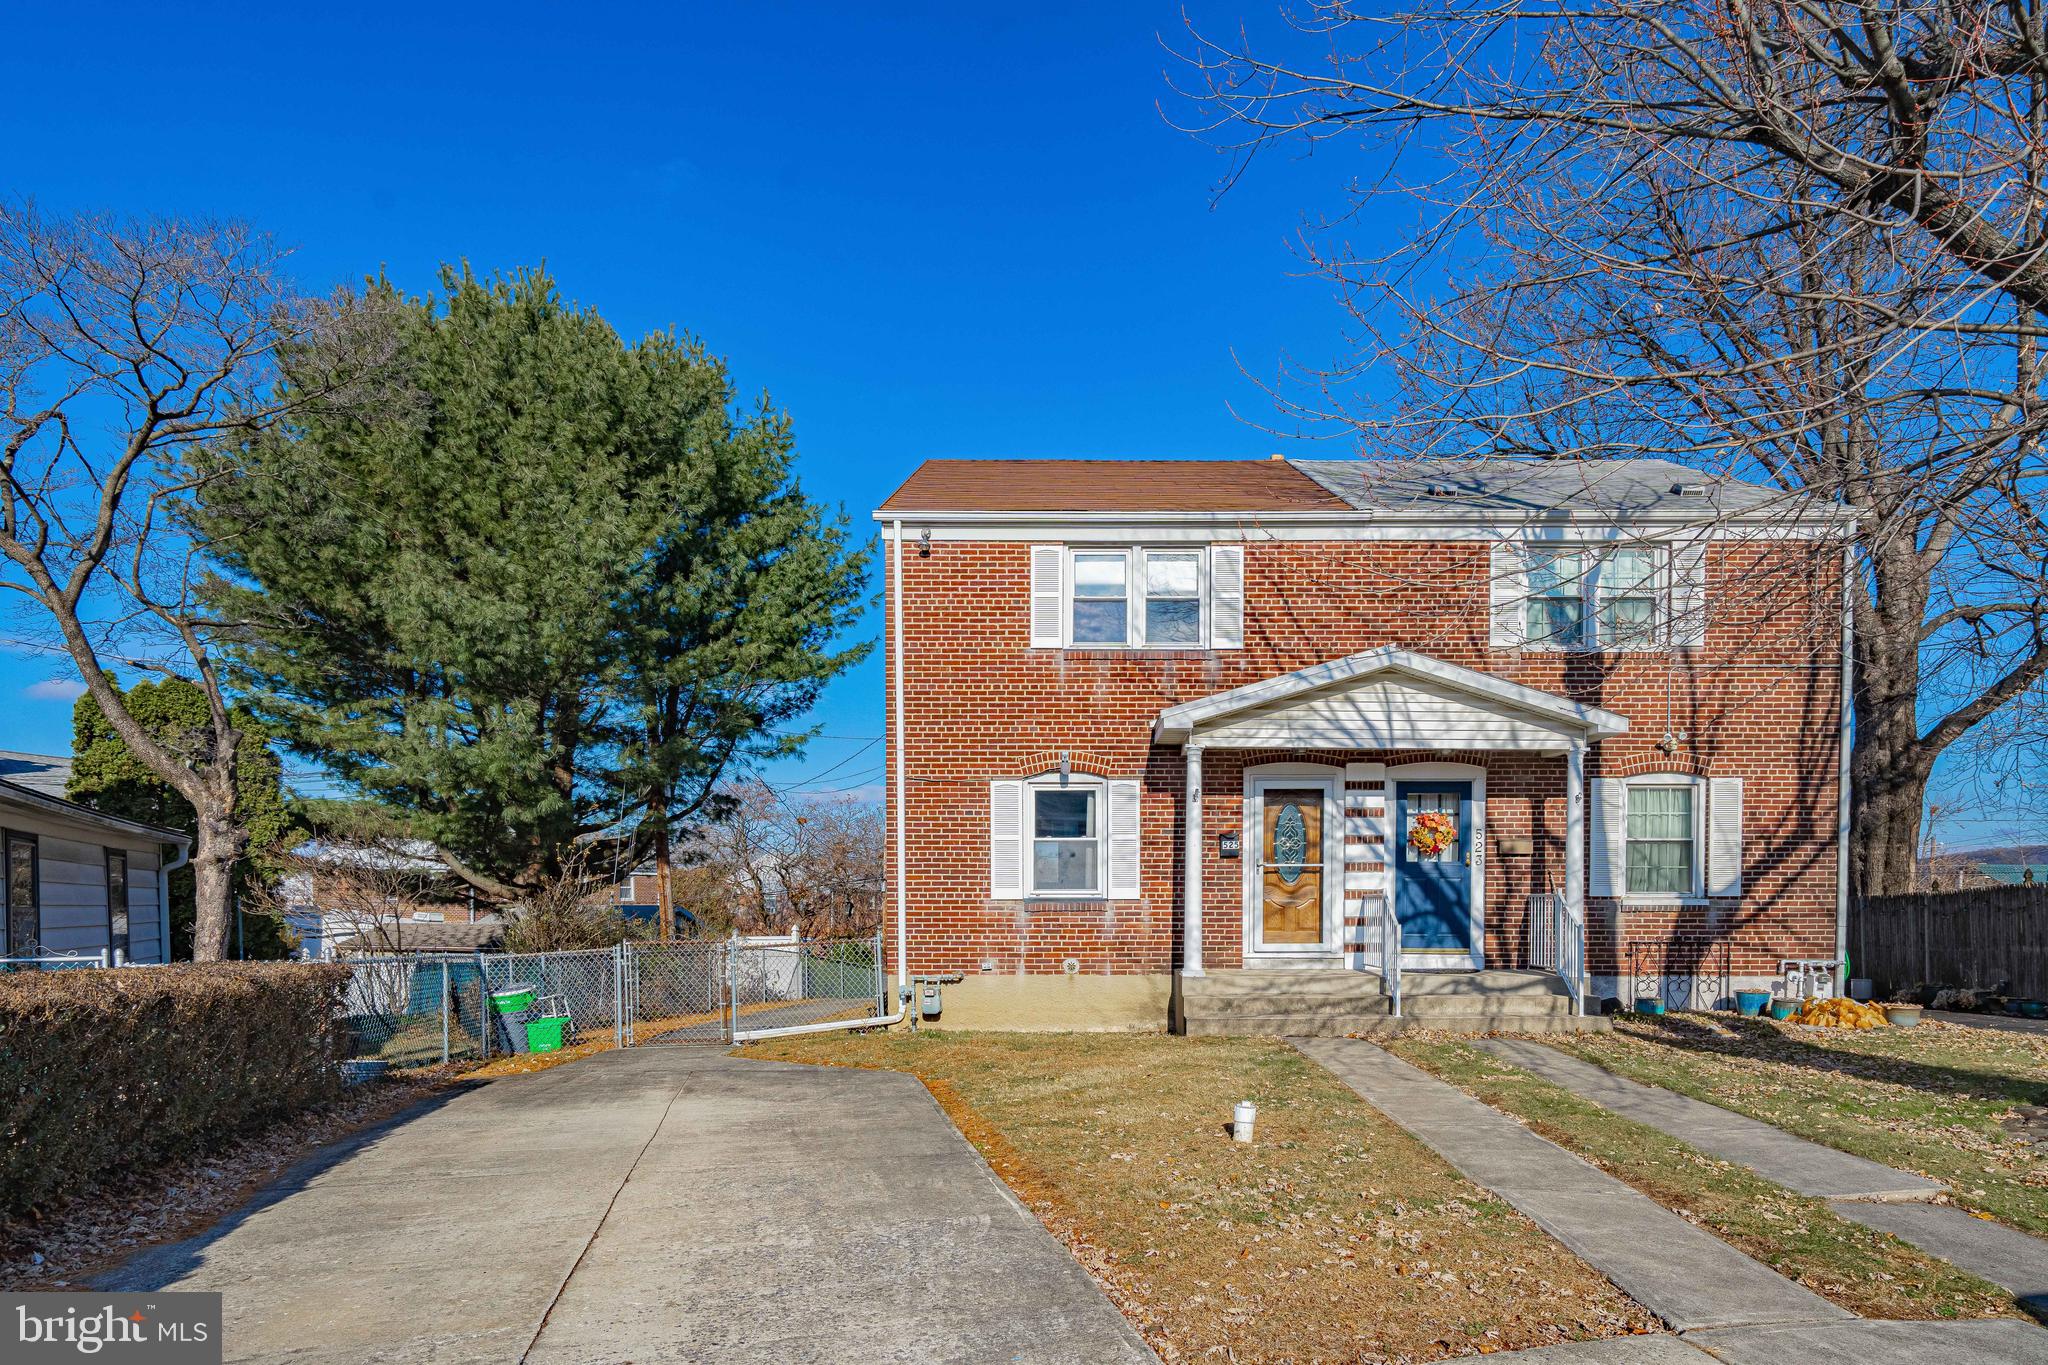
1562,596
1140,597
1102,598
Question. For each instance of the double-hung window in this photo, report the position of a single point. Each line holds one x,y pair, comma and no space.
1625,587
1663,840
1557,604
1102,598
1066,841
1137,598
1173,597
1581,597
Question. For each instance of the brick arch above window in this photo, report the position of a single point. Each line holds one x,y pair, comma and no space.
1684,762
1046,761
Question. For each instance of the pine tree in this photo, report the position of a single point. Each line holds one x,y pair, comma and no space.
551,588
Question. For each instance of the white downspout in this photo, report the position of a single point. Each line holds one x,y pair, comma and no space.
1191,889
902,785
163,897
1842,739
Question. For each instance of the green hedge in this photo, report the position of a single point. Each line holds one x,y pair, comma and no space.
117,1070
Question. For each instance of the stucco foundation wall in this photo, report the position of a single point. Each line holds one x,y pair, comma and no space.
1059,1003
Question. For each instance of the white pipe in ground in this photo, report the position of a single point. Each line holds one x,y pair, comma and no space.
1241,1120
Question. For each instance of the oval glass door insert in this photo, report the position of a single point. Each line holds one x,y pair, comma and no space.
1290,843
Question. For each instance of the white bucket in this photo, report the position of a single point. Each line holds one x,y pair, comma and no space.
1242,1118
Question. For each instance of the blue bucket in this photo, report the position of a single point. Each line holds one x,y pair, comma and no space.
1752,1003
1649,1004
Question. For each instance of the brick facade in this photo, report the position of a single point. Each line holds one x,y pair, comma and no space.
1760,701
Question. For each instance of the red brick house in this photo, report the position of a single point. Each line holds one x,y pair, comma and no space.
1455,739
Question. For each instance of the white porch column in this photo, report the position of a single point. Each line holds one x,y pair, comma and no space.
1575,846
1575,826
1191,879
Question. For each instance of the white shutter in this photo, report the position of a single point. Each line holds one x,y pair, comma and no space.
1724,836
1226,596
1006,841
1510,597
1123,841
1048,611
1688,604
1606,867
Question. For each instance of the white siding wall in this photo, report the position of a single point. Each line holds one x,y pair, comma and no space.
72,869
1384,715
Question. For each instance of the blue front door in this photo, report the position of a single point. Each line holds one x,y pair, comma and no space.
1433,891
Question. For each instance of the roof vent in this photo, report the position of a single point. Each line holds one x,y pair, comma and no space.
1692,490
1439,490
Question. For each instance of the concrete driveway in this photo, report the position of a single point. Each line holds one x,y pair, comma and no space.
658,1204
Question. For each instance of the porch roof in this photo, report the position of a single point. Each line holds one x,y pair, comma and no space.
1386,698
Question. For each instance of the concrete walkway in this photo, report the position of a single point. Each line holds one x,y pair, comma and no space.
657,1204
1771,1152
1862,1191
1726,1307
1683,1274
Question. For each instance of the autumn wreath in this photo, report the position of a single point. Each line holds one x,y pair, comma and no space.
1432,832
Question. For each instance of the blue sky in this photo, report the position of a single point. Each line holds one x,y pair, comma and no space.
927,232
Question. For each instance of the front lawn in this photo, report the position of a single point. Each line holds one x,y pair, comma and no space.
1868,1272
1953,1103
1334,1236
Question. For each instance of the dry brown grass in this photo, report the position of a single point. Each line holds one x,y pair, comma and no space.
1868,1272
1962,1105
1334,1237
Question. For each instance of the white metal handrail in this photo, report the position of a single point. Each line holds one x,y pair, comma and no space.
1390,952
1557,942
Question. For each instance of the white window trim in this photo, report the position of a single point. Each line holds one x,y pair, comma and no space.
1077,782
1697,895
1592,555
1134,596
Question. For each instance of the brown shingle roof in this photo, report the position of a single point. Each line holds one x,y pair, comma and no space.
1111,486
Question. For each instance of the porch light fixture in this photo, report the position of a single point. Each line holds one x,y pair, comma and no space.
924,543
1066,766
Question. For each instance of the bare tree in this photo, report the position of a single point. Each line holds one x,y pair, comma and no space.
125,348
771,862
1799,244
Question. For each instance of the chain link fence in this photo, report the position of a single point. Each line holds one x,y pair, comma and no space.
414,1010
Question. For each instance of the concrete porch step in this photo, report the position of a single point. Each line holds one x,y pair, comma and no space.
1386,1026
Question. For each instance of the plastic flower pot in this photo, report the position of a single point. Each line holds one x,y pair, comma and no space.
1784,1009
1751,1003
1902,1016
545,1035
1649,1004
2033,1009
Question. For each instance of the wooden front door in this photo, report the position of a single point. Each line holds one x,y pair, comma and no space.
1292,872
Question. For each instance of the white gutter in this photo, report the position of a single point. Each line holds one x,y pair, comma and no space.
902,786
1338,516
1843,736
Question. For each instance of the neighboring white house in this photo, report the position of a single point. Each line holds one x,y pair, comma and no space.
76,881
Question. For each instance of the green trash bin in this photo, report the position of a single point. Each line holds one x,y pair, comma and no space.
545,1035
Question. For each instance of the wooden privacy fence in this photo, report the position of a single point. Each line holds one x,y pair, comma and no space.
1981,939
